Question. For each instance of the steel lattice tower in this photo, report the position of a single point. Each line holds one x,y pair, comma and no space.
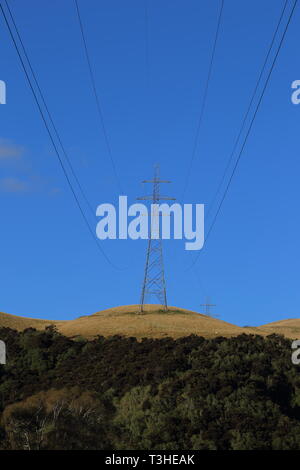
154,278
208,306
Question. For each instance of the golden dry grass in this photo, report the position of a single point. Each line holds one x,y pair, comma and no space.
289,328
21,323
126,320
153,323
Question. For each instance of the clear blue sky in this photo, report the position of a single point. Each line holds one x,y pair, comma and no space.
49,265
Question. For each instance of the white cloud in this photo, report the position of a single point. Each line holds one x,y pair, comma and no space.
13,185
8,150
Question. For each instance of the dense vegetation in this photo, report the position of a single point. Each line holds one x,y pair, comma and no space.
118,393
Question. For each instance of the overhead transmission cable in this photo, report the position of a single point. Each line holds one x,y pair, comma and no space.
249,129
48,111
204,99
97,99
247,113
51,137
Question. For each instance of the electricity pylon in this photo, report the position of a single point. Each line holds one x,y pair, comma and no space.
208,306
154,277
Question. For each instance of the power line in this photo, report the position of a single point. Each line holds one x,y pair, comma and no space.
204,99
247,112
250,127
95,92
48,111
253,118
51,137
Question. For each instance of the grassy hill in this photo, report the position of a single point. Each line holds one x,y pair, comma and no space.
126,320
21,323
289,328
155,323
